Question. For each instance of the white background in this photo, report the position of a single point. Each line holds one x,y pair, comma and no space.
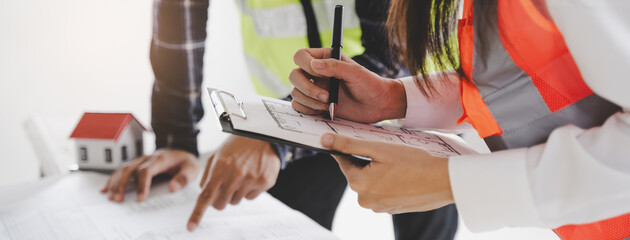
61,58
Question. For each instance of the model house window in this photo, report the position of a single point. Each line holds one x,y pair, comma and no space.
108,155
123,151
139,148
83,153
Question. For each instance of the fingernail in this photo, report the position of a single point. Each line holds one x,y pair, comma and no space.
317,64
141,197
327,140
323,97
192,226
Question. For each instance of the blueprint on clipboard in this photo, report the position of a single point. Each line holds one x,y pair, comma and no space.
276,118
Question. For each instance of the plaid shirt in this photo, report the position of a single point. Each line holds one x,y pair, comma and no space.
177,49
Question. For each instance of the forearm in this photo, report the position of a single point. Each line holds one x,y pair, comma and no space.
177,48
172,123
577,176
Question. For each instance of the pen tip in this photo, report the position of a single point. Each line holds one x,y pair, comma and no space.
331,110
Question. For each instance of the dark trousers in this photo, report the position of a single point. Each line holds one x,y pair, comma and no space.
315,185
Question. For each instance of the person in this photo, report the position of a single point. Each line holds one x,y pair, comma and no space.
542,82
242,167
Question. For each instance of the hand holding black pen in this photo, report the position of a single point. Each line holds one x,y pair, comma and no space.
366,96
333,99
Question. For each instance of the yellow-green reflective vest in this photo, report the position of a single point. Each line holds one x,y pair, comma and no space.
273,30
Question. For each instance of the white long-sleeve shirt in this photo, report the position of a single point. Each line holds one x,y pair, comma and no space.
578,175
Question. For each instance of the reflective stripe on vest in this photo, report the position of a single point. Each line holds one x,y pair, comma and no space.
525,86
272,30
514,101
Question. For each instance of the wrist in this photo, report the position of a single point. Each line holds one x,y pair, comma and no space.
182,142
283,153
440,192
394,104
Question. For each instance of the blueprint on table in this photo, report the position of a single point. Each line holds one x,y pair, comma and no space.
73,208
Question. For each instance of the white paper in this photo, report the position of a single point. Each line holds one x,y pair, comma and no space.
277,118
73,208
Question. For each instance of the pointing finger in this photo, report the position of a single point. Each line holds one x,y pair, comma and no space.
200,207
206,198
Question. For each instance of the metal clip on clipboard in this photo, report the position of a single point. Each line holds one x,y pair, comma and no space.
219,105
216,96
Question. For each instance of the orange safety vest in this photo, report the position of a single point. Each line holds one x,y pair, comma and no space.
536,46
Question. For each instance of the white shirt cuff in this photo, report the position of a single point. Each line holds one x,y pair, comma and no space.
438,113
492,191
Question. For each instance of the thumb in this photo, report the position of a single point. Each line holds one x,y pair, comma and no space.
344,144
177,182
350,145
181,179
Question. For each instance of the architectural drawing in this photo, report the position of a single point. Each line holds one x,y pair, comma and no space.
288,119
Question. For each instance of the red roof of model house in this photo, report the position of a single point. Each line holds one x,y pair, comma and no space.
102,125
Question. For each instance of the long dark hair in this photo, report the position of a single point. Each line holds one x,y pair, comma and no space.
421,30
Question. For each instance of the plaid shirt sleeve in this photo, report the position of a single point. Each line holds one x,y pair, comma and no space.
377,56
177,48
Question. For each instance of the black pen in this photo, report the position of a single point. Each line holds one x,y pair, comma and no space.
337,36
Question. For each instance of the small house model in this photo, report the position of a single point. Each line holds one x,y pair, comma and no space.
106,140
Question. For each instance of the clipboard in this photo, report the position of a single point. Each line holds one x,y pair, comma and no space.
225,120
